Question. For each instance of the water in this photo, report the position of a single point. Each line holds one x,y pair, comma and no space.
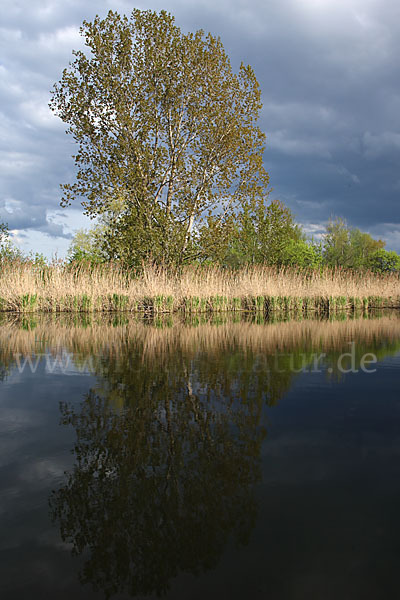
200,459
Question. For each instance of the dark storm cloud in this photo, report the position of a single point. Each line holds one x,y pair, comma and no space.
329,75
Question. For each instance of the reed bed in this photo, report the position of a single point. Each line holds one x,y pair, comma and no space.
25,287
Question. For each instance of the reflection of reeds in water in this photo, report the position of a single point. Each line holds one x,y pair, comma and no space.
28,288
56,335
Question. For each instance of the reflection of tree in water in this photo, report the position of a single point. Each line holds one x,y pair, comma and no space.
167,457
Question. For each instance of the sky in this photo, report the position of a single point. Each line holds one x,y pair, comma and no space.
329,73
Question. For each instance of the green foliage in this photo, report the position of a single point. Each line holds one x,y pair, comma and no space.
8,251
363,246
384,261
261,234
164,126
170,156
4,234
337,244
301,253
349,248
38,260
86,246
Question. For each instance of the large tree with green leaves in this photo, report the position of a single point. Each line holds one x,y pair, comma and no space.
164,127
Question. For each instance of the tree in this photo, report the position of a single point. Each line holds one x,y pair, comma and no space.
384,261
4,235
84,247
301,253
337,244
363,246
346,247
8,250
261,234
164,124
91,245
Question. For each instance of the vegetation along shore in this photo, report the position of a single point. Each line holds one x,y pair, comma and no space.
176,183
30,287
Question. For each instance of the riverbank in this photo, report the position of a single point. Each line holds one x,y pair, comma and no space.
65,288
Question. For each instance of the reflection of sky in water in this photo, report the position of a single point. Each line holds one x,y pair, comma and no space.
34,453
327,524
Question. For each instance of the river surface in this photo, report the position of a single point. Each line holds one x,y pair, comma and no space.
209,458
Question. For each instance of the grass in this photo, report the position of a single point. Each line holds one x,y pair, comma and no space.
27,288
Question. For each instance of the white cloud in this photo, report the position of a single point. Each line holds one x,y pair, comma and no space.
282,141
60,41
37,113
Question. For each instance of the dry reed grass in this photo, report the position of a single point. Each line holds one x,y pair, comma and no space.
26,287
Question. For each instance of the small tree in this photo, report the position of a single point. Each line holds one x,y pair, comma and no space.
337,244
384,261
8,251
164,124
4,235
363,246
262,232
85,246
348,247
